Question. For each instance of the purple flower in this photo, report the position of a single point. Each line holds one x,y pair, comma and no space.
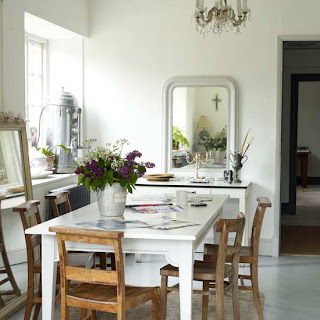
150,165
94,167
132,156
78,170
124,172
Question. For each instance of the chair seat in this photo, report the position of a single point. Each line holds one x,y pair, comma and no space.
107,295
202,271
245,253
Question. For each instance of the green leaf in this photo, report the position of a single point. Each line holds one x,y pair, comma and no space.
142,169
80,178
110,177
133,178
123,182
86,183
129,188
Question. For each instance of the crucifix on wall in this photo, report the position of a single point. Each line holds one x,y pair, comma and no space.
216,100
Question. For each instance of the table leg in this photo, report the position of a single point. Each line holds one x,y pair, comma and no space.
304,171
49,274
243,209
138,257
186,262
216,235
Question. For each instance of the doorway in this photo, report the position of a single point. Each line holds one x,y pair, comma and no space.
300,146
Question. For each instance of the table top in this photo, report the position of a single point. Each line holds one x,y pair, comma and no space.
184,183
202,215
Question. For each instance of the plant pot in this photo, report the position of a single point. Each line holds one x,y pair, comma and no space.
175,148
112,200
50,162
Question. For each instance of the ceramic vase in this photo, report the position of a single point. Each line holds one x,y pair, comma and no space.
112,200
50,162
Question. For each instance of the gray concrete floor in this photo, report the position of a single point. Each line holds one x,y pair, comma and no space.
291,284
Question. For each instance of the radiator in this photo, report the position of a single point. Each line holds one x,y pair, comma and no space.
79,197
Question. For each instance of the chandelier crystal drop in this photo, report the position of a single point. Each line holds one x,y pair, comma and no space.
221,17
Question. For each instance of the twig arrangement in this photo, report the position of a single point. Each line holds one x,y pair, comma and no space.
245,144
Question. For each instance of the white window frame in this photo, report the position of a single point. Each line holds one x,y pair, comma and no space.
29,38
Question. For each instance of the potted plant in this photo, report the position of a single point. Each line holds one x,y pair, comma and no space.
48,152
110,175
178,139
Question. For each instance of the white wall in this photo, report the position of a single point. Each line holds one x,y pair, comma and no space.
71,14
308,125
135,46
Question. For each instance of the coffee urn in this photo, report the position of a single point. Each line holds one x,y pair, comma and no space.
63,119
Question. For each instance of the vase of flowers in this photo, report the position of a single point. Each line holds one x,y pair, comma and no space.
110,175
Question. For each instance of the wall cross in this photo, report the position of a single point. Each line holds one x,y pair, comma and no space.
216,100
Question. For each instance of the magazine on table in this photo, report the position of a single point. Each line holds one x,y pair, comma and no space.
157,208
160,223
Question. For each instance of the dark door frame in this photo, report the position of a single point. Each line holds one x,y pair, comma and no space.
294,111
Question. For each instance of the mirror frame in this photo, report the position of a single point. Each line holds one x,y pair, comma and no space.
198,81
10,123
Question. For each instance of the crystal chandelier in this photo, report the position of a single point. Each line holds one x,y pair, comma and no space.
221,17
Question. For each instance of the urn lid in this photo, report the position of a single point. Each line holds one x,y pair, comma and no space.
64,99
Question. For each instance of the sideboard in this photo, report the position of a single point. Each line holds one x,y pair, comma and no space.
239,191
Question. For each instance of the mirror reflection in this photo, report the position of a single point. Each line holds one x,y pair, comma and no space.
11,179
13,280
200,117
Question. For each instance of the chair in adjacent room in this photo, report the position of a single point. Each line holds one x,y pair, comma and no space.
6,270
213,271
99,290
248,254
30,215
62,198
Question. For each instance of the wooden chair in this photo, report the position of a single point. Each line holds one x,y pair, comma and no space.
7,268
29,212
247,254
62,198
213,271
99,290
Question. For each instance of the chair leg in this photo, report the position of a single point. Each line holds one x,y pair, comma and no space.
163,297
38,305
10,273
113,260
205,300
220,298
235,296
255,286
102,260
28,309
82,314
91,315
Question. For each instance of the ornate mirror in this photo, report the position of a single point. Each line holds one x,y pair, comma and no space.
15,188
200,116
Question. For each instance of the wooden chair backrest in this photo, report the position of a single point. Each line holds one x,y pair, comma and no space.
30,215
94,276
2,247
263,204
59,198
225,226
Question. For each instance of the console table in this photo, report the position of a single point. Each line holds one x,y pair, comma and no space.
238,191
304,155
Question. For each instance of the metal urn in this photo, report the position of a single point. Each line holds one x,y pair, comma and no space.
63,127
236,160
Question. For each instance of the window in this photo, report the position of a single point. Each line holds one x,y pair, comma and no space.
36,82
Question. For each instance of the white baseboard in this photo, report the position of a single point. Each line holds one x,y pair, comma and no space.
266,247
16,256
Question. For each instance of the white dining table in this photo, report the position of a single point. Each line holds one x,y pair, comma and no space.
178,245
